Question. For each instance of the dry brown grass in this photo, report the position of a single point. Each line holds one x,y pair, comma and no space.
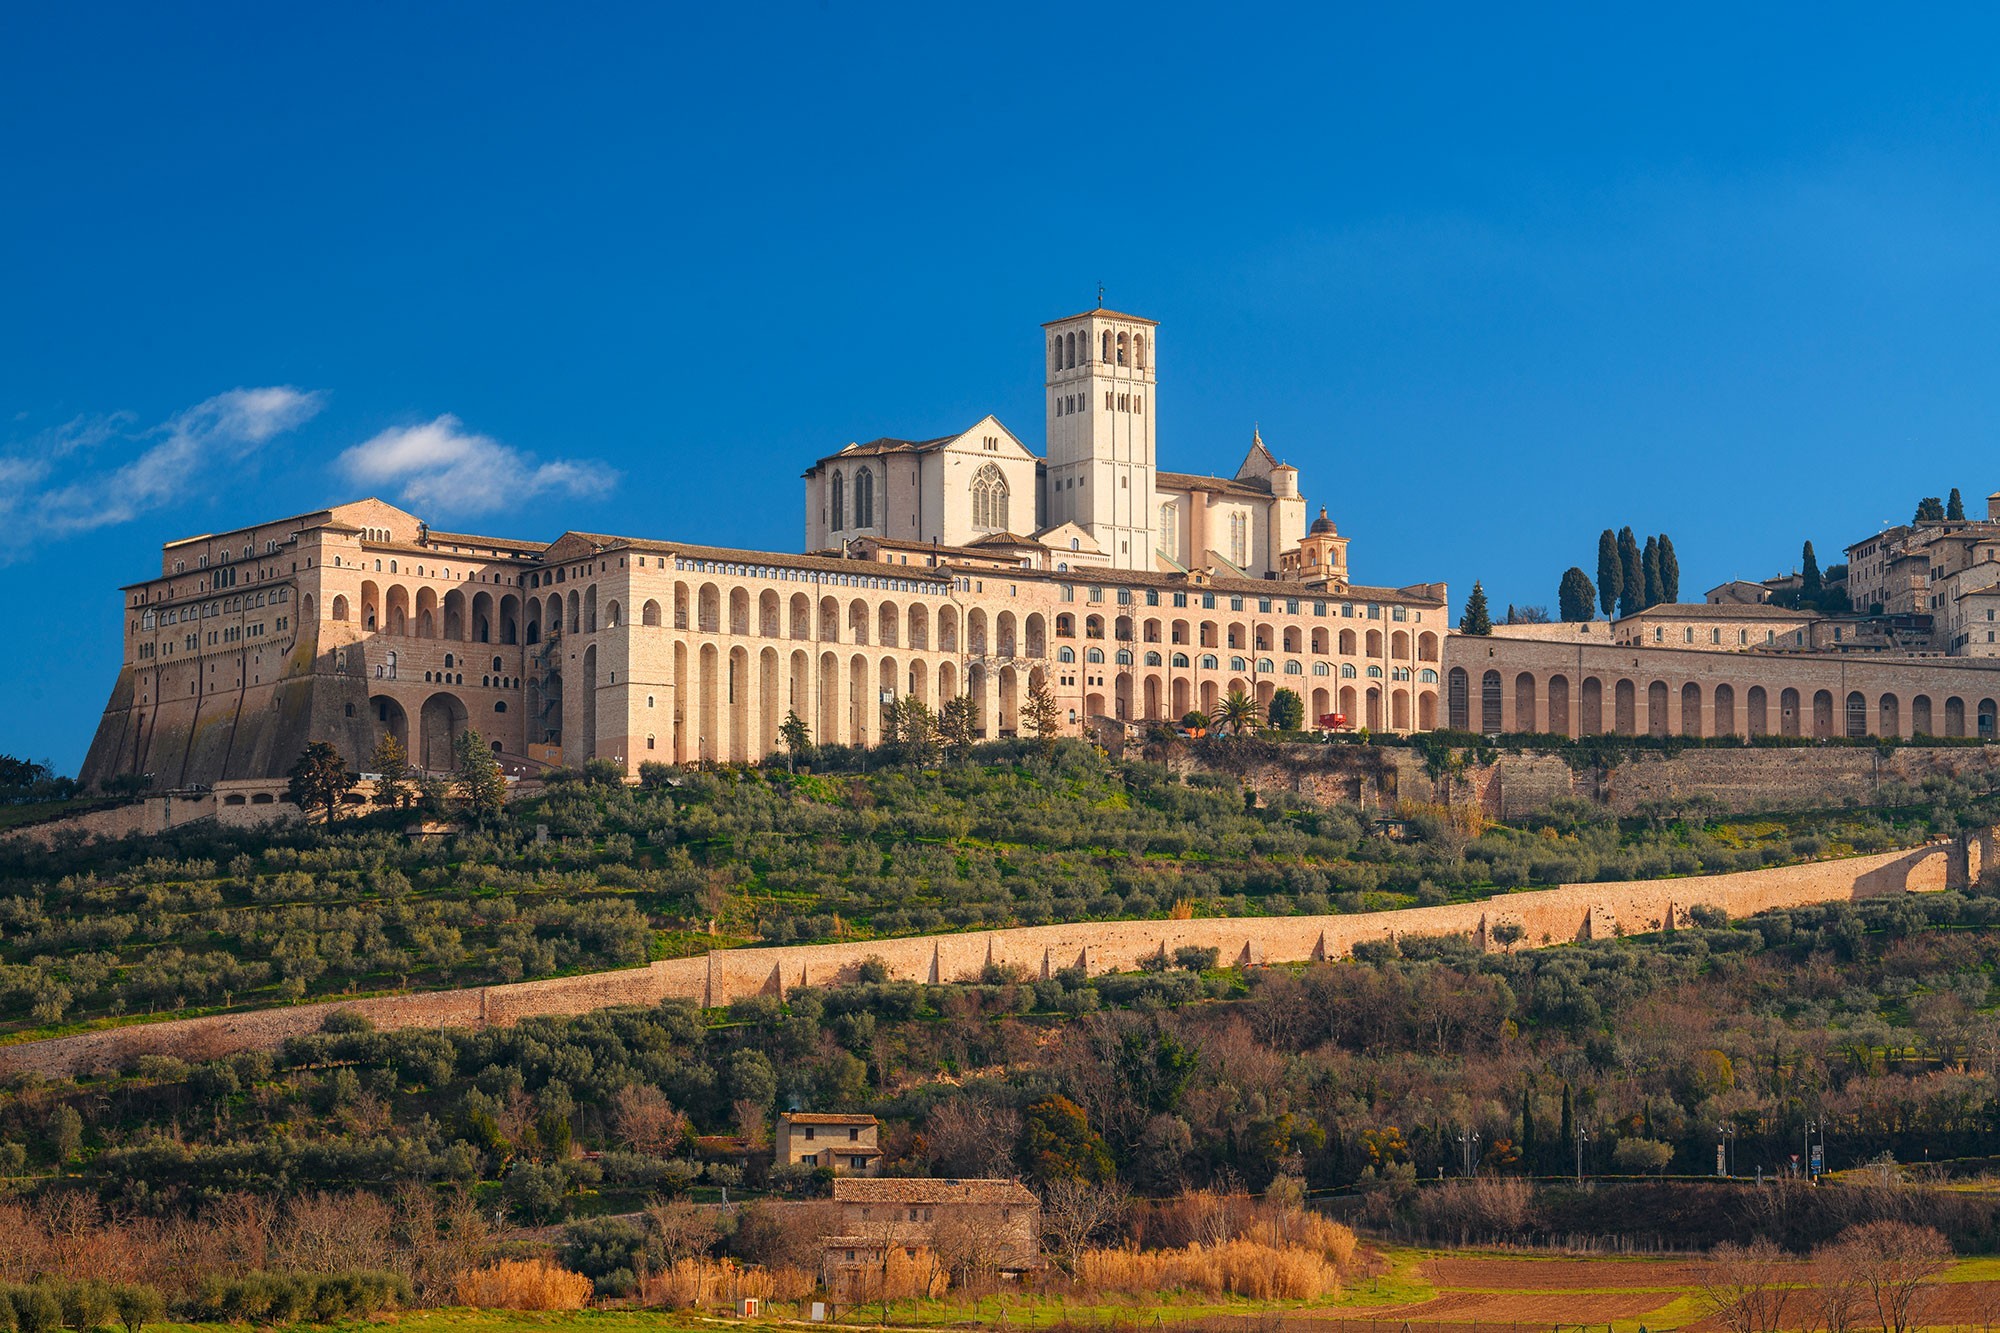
524,1284
699,1282
1247,1268
1300,1230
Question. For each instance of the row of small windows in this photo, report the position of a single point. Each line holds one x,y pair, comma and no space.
1121,348
1211,662
1265,605
688,566
174,615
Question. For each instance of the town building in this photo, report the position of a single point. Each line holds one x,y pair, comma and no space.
847,1145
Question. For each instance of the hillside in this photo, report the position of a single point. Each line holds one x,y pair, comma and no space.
596,875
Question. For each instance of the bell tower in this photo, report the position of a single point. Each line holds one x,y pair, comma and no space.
1101,366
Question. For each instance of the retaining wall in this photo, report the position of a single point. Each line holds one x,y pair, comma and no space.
1546,916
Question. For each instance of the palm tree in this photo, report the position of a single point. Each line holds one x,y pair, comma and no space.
1238,712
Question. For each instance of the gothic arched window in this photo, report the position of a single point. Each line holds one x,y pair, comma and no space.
1139,351
1106,358
864,498
839,505
989,498
1170,535
1239,540
1069,343
1121,349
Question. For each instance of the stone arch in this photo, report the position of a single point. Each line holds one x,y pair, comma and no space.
708,609
396,610
918,624
739,611
390,720
1590,707
1489,697
769,616
452,617
1789,720
1037,635
1347,643
1524,702
710,709
441,720
801,617
1005,638
1427,646
888,625
649,614
1457,688
826,728
1624,707
1856,714
947,630
1691,709
1889,716
1427,707
741,745
975,632
1724,704
1399,647
586,710
534,634
576,612
1921,721
1988,715
612,612
482,615
857,621
1559,720
829,619
1756,708
339,607
426,616
1822,723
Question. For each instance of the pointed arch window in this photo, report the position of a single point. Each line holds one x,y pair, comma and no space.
864,498
839,504
989,498
1239,540
1170,529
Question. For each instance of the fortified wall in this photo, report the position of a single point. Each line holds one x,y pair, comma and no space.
1570,913
1517,783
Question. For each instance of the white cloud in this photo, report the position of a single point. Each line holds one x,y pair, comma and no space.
194,452
443,467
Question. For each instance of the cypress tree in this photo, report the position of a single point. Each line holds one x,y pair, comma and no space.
1476,620
1632,591
1610,572
1954,508
1528,1147
1649,566
1810,585
1670,570
1576,597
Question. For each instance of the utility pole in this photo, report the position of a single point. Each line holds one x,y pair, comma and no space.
1581,1135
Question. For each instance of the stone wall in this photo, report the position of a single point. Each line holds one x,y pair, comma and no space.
1518,783
1546,916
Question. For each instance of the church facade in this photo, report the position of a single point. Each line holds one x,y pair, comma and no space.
1096,497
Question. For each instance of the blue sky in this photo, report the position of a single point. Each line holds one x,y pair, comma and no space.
1492,277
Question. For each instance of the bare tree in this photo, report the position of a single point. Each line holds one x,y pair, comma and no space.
971,1140
1076,1211
333,1233
1897,1265
1746,1288
646,1121
1835,1301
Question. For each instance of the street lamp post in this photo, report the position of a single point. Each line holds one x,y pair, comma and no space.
1468,1146
1582,1135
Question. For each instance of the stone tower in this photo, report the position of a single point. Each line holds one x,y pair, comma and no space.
1100,409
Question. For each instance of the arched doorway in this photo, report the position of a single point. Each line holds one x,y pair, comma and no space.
390,720
442,719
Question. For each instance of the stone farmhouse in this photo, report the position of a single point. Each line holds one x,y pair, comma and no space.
990,1225
847,1145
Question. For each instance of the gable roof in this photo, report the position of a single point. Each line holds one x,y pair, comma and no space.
861,1189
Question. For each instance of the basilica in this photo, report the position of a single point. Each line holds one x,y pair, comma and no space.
966,565
1095,499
